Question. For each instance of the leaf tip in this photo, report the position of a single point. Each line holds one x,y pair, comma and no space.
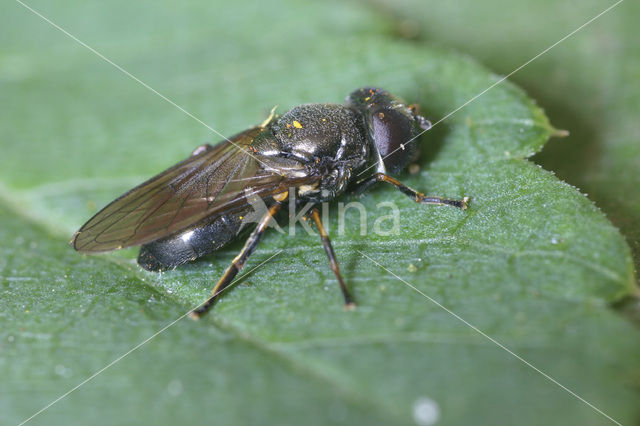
559,133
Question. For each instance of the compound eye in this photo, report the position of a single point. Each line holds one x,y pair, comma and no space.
392,132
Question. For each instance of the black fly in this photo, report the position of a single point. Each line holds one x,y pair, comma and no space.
316,150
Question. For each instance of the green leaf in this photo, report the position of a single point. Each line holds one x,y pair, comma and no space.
532,263
587,83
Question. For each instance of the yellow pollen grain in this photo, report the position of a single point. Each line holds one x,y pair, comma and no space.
297,124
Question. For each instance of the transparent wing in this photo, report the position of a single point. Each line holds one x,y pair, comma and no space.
204,186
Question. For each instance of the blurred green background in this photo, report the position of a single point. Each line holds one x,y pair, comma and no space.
75,132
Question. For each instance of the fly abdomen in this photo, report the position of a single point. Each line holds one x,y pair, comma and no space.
167,253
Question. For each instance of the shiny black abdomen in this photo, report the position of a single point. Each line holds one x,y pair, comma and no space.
173,251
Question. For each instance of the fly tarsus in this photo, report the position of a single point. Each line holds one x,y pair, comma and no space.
418,197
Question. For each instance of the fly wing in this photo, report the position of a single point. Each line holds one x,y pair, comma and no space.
219,180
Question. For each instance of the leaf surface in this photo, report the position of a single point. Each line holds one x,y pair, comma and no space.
532,263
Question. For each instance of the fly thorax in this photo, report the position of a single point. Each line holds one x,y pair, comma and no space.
315,132
334,179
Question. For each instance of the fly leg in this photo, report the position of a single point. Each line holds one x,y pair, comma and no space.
418,197
237,263
348,300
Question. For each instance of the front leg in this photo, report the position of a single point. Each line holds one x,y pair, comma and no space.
418,197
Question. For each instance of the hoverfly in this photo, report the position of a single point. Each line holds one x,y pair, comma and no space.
315,150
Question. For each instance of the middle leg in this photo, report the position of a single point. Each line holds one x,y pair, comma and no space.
348,300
